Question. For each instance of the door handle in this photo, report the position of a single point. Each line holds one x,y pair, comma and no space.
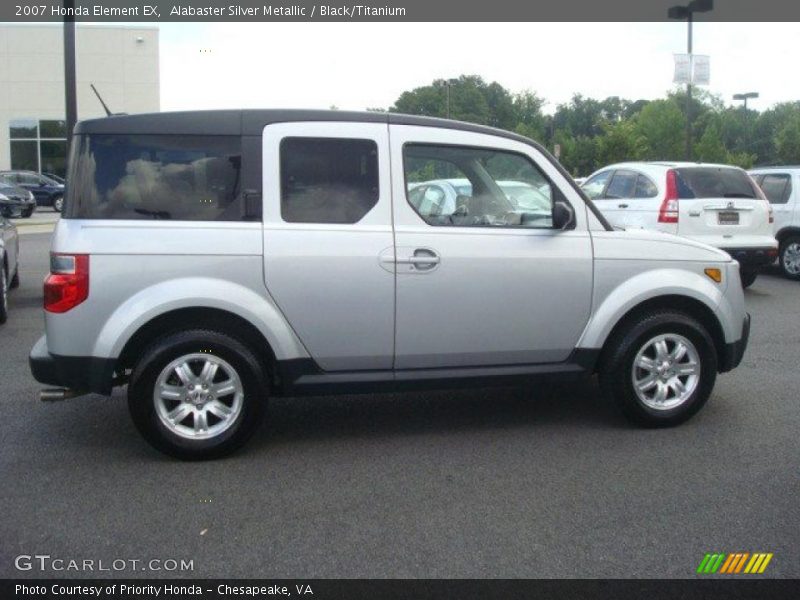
422,259
622,205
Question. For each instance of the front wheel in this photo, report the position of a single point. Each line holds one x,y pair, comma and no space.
197,394
789,257
661,369
748,278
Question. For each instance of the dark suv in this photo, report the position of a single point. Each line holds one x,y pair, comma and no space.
46,191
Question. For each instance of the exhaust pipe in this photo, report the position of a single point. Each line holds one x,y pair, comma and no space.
57,394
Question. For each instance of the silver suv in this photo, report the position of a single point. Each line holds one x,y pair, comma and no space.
210,260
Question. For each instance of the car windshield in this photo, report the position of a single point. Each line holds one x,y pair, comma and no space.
714,182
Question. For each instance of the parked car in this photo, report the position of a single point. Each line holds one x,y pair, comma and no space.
56,178
9,260
17,202
781,185
210,260
719,205
46,191
446,196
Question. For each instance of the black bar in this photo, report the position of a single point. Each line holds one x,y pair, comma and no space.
70,93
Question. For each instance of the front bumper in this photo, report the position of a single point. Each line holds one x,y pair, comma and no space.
734,352
753,257
80,373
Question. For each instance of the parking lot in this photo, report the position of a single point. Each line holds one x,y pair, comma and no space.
482,483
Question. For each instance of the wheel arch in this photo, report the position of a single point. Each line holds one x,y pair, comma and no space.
182,319
682,290
787,232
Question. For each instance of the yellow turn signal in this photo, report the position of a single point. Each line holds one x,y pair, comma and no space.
714,274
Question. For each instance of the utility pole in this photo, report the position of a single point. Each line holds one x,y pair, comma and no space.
70,94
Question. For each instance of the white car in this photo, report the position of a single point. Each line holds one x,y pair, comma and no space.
718,205
780,185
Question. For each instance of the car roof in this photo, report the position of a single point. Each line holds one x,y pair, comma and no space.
667,164
775,168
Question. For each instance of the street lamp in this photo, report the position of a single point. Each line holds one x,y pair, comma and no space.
745,97
680,13
449,82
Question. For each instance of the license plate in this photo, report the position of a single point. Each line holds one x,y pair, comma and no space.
728,218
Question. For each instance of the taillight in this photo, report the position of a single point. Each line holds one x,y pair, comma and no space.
67,285
668,213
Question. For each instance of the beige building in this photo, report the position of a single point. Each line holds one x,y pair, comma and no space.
121,62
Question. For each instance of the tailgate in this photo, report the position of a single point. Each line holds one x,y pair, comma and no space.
720,202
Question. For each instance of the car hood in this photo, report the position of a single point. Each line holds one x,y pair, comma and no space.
643,244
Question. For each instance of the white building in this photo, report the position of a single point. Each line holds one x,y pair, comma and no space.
121,62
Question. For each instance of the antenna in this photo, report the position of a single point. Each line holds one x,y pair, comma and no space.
99,97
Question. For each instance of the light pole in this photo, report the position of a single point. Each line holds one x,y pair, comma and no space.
71,108
745,97
687,12
449,82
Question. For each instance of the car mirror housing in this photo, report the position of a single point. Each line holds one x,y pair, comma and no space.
563,215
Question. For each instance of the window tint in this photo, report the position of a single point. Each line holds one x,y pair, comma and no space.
189,178
476,187
714,182
777,187
622,185
595,185
328,180
645,188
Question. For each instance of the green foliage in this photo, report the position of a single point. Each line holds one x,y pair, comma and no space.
593,133
787,142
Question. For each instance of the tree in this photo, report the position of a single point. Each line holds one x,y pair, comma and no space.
710,147
661,126
528,115
620,142
787,142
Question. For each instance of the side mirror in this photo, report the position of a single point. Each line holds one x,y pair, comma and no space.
563,215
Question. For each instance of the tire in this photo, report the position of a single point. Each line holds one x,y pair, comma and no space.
789,257
27,214
748,278
14,284
184,437
3,295
58,203
639,339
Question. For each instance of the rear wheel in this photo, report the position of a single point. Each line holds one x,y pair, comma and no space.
197,394
660,370
789,257
748,278
58,203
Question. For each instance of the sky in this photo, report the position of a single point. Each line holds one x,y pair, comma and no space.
368,65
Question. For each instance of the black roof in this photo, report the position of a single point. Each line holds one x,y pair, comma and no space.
252,122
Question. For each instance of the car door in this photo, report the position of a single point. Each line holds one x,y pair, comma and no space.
777,187
8,234
485,285
618,199
595,188
327,224
32,183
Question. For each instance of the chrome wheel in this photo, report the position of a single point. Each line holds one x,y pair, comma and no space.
666,371
791,258
198,396
58,204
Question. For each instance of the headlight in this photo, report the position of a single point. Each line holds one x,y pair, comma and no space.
3,197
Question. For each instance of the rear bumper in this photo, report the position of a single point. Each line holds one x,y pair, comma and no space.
753,257
79,373
734,352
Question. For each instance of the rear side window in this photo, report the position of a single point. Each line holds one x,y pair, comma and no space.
714,182
645,188
777,187
183,178
328,180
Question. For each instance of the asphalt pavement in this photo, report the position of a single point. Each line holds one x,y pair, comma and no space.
548,482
